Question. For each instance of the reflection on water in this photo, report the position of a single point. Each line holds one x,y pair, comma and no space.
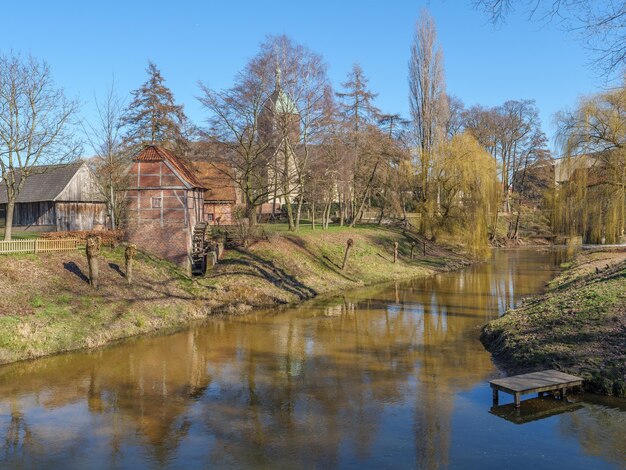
389,376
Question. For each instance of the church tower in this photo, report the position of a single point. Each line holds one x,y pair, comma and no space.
279,129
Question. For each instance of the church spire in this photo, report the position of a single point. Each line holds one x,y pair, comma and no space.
278,73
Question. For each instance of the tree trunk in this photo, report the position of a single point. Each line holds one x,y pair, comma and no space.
112,205
129,255
349,244
312,216
341,209
395,252
8,226
93,252
299,212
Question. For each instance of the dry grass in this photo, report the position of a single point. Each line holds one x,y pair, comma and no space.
578,326
48,306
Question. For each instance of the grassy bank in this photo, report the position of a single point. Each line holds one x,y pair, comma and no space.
47,305
577,326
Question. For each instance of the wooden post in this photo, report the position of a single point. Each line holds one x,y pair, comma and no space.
412,249
494,392
349,244
424,247
129,254
395,251
93,252
517,400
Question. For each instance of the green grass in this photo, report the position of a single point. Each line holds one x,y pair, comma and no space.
59,311
576,326
20,235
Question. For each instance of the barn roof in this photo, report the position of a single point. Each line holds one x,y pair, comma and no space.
45,183
217,178
154,153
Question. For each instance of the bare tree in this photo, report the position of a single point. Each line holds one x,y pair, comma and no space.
295,112
429,104
601,25
235,129
104,137
35,117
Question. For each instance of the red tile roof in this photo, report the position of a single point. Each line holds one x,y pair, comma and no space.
154,153
217,178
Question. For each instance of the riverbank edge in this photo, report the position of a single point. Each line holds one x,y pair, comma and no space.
577,325
90,319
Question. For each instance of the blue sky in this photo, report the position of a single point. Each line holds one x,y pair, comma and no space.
87,43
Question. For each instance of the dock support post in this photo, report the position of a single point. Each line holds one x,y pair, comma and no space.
517,400
494,392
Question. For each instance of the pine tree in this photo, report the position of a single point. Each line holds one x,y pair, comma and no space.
357,113
153,117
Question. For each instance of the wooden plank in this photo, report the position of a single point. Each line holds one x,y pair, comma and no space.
535,381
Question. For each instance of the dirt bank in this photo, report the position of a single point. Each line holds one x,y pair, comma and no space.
48,307
578,325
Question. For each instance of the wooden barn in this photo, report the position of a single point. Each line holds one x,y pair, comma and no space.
57,198
164,205
220,196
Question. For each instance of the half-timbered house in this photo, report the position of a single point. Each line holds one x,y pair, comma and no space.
164,204
221,195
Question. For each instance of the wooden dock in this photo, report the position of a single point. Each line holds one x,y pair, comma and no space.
535,382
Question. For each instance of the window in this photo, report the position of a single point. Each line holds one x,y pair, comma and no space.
156,202
209,217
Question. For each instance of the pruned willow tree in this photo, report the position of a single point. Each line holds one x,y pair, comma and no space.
590,197
35,121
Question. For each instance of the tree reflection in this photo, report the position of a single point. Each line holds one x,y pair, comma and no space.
330,382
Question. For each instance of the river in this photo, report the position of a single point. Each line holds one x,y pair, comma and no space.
390,376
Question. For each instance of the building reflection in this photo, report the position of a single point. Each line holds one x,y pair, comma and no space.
334,381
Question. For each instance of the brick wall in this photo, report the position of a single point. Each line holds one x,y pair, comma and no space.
222,213
170,241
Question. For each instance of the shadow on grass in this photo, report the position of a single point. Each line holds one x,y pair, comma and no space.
74,269
116,267
324,260
269,271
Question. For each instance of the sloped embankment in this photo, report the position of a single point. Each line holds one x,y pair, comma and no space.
578,325
47,306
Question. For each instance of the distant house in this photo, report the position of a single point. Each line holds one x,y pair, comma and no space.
164,204
220,196
57,198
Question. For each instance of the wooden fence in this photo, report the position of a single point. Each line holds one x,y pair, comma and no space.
38,246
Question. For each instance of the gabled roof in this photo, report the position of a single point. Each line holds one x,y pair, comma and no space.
217,177
154,153
45,183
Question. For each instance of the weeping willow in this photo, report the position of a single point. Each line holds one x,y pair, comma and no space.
590,197
467,190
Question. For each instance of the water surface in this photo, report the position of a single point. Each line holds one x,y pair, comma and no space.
385,377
